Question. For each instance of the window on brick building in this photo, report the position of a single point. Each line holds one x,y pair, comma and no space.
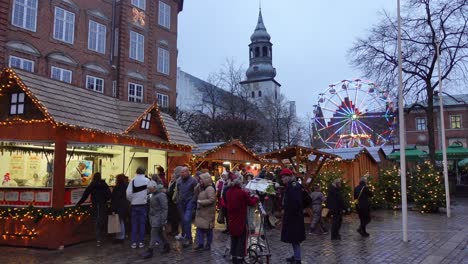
94,83
259,93
146,121
164,15
17,103
253,94
97,37
60,74
20,63
163,101
455,121
163,61
137,46
135,92
25,14
64,25
421,124
139,3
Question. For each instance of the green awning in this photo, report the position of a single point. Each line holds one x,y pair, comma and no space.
454,152
463,163
412,154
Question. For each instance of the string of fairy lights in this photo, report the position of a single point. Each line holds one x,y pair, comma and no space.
11,79
32,216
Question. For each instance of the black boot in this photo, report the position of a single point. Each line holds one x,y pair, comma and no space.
148,254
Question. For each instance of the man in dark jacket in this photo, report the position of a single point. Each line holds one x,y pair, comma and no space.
335,203
100,194
293,230
362,194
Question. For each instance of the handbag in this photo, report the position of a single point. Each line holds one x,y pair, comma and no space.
356,202
113,224
325,212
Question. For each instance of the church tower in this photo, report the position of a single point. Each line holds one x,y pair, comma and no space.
261,74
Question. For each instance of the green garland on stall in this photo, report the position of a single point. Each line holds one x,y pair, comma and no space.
37,214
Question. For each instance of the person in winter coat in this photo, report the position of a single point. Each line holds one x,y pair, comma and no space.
221,190
173,213
205,214
335,203
162,176
137,195
293,230
362,193
186,204
120,205
100,194
237,201
158,218
317,226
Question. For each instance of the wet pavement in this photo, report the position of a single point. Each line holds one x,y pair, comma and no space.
433,239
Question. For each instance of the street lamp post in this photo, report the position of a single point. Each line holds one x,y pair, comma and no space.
401,118
442,131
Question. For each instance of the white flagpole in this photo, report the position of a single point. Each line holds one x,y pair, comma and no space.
442,129
401,123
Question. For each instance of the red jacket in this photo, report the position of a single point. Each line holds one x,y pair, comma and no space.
237,202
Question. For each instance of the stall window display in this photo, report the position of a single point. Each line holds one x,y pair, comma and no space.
24,169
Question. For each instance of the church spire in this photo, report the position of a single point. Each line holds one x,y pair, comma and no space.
261,53
260,33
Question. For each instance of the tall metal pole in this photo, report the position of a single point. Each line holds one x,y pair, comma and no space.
401,122
442,131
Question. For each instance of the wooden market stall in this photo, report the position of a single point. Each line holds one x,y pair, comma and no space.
51,131
297,156
356,162
232,154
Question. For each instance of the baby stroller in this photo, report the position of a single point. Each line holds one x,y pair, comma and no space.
258,249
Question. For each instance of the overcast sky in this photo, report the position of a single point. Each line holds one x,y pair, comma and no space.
310,39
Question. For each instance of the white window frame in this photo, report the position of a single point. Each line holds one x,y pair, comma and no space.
450,119
29,9
418,124
139,3
146,122
133,96
61,74
163,100
67,21
137,46
94,80
22,62
97,34
17,101
164,59
164,16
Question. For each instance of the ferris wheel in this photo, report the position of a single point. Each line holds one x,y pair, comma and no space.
353,113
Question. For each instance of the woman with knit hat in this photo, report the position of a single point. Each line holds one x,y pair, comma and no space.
293,230
237,201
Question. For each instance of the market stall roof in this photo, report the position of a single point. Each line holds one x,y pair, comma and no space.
292,151
352,153
68,105
454,152
412,154
232,150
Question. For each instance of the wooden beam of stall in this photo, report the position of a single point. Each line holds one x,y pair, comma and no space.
60,159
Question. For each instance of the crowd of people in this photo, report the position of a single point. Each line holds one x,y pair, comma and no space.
152,204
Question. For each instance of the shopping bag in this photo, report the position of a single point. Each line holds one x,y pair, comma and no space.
325,212
220,219
113,224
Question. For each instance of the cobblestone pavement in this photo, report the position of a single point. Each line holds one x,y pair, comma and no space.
429,235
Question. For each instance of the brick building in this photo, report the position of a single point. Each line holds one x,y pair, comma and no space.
455,117
121,48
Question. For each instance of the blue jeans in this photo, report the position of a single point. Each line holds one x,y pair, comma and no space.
297,251
200,236
138,223
186,211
